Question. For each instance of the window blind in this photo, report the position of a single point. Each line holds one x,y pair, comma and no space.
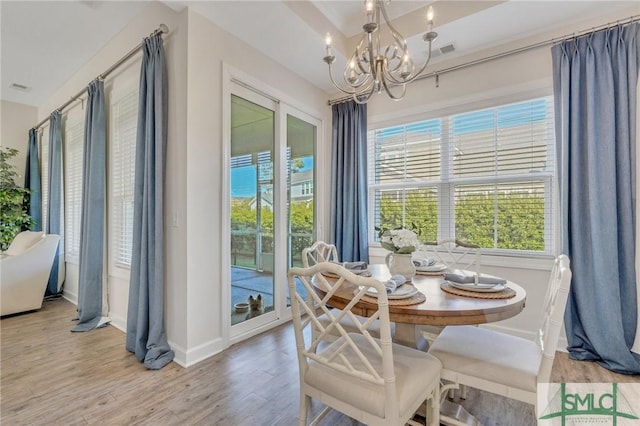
73,141
44,175
484,176
123,119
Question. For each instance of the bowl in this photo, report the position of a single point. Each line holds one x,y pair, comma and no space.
241,307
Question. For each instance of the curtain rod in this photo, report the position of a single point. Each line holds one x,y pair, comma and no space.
436,74
162,29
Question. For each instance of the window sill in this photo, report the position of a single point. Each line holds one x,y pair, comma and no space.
542,262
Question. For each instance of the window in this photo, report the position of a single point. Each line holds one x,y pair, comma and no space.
73,142
124,122
484,176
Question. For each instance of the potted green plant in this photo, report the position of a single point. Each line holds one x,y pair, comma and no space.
13,214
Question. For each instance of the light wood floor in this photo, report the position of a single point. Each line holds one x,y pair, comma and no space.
50,376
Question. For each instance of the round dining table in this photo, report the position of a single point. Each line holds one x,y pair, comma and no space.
439,308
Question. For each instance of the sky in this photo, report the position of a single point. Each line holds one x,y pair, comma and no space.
243,179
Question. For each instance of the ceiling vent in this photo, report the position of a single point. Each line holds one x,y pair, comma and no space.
20,87
447,49
437,52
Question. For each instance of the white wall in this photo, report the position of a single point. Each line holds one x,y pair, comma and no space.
16,120
208,48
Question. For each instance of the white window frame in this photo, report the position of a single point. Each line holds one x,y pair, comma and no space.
446,184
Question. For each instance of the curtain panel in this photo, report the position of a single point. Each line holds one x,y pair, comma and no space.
146,336
55,203
92,295
349,229
32,181
595,80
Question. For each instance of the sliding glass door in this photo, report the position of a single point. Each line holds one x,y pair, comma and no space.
251,205
272,174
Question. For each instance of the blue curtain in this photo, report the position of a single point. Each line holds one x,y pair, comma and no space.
91,309
146,336
32,181
595,79
349,230
54,204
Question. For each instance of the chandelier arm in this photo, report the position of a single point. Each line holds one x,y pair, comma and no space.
346,91
373,71
424,66
393,79
363,98
395,33
391,95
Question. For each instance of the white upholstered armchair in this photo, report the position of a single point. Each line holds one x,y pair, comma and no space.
24,271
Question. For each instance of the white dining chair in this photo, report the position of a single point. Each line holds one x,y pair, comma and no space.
370,379
321,251
500,363
453,253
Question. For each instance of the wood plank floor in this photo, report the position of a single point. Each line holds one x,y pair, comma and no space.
50,376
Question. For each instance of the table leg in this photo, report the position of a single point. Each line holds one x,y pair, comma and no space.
452,413
455,414
410,335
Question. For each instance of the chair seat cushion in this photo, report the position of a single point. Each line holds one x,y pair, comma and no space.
415,373
350,327
489,355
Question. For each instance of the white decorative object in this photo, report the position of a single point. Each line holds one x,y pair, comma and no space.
401,264
401,241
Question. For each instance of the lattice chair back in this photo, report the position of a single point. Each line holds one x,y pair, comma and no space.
454,253
348,359
553,314
354,374
319,252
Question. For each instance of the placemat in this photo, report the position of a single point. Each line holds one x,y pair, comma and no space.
507,293
413,300
431,273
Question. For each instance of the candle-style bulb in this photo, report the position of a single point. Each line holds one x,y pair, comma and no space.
327,40
369,6
430,14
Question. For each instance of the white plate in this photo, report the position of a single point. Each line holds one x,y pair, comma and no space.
403,292
480,288
438,267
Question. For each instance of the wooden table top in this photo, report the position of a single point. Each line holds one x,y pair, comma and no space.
439,308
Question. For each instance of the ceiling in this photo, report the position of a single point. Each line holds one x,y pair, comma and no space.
42,53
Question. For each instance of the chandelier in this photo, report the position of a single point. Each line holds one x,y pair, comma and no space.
374,67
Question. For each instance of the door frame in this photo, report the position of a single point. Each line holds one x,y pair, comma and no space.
238,83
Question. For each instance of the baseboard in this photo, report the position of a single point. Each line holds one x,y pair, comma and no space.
194,355
71,297
118,322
